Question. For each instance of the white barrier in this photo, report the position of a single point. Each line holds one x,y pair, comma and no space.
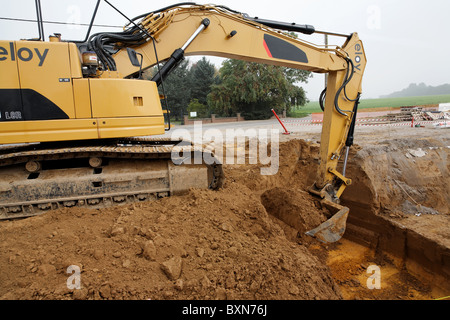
293,122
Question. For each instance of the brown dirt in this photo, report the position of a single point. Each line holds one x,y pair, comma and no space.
202,245
352,273
229,244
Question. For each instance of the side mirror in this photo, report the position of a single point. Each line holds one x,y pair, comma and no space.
133,57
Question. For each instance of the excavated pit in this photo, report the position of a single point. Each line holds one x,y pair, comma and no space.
399,205
399,213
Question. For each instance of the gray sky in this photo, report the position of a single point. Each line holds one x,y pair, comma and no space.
405,41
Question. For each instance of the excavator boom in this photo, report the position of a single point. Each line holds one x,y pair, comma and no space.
54,92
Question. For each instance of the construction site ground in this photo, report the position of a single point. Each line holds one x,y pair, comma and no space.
238,243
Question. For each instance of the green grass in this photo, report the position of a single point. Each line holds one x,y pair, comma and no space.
314,106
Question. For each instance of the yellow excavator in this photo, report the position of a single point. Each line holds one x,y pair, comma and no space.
83,106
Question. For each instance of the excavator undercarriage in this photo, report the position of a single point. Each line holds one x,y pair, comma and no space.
35,178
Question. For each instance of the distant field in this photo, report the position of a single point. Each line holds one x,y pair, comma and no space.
381,103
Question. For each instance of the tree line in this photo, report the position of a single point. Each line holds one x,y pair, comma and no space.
249,88
420,89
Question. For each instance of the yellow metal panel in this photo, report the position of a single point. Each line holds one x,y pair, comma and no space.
9,77
111,75
75,61
124,98
130,127
45,68
334,129
48,130
246,44
82,98
335,125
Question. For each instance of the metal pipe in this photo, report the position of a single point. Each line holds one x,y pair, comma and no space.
39,20
285,130
302,28
178,55
333,34
345,160
203,26
90,25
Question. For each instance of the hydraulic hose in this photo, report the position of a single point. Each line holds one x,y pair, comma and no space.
342,87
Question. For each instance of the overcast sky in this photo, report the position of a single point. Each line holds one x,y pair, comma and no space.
405,41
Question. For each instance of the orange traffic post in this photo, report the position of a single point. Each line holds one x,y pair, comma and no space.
285,130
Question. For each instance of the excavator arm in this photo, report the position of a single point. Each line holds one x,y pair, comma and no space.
169,34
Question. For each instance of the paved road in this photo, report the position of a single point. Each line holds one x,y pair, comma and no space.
239,127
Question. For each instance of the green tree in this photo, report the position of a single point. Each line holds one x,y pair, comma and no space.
201,109
185,84
202,76
176,88
254,89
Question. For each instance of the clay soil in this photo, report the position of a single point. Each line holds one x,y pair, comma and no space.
244,241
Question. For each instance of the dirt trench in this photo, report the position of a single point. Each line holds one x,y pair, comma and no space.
233,244
399,202
399,215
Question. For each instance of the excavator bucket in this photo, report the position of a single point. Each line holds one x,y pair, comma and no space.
333,229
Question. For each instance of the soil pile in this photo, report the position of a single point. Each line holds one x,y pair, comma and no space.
297,211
